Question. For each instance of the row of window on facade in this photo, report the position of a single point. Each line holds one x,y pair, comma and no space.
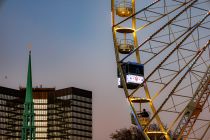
67,107
81,127
82,110
9,105
86,99
74,126
82,121
81,133
71,120
66,116
81,115
73,108
71,137
40,118
41,130
39,112
40,101
78,134
83,104
79,109
76,97
79,138
42,124
81,98
7,97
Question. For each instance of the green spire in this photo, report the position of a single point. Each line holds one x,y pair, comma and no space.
28,128
29,97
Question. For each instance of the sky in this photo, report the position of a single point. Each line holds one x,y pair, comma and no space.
72,46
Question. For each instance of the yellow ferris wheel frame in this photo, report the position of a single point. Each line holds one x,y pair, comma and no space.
128,14
130,97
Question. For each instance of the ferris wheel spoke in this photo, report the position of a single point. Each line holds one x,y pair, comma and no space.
172,92
136,13
168,56
155,33
191,114
161,58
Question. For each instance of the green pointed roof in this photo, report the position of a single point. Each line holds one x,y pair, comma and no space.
29,97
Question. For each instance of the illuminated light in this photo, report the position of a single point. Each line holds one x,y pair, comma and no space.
140,100
118,81
124,11
134,79
156,132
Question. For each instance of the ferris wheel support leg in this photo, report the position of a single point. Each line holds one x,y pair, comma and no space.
194,108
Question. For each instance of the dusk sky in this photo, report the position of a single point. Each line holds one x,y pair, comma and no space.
72,46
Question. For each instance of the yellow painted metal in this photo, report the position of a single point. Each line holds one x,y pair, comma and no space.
112,12
130,98
124,29
134,33
194,107
156,132
124,84
144,121
124,9
154,111
119,66
140,100
139,61
117,60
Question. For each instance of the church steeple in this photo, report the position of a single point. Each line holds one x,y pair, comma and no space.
28,128
29,97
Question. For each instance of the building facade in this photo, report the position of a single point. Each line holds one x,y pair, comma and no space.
11,112
59,114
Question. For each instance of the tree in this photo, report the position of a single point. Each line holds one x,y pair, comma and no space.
133,133
127,134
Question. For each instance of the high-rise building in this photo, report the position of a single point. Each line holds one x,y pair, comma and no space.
59,114
11,112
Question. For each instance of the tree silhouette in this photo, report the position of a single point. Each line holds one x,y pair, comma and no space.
133,133
127,134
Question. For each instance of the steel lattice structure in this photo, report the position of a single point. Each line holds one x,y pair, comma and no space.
170,39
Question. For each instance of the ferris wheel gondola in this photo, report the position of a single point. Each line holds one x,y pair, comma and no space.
166,43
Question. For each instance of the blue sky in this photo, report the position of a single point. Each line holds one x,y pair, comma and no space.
63,35
71,46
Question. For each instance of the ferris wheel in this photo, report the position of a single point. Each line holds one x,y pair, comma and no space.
162,55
